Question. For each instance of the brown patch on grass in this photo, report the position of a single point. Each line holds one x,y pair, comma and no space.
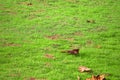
78,34
53,37
50,56
32,78
11,44
89,42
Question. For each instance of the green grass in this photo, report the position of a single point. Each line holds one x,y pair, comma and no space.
24,31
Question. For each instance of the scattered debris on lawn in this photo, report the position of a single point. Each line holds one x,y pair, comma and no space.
98,77
84,69
73,51
50,56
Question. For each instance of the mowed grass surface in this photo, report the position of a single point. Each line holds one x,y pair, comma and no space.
30,29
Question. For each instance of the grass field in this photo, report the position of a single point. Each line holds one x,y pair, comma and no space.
32,29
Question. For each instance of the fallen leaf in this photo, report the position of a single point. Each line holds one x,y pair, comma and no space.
84,69
98,77
73,51
50,56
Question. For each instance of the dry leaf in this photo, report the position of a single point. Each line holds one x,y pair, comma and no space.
49,56
98,77
73,51
84,69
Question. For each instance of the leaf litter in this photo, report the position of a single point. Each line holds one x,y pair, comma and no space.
84,69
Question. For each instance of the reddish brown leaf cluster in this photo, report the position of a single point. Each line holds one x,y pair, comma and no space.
84,69
73,51
98,77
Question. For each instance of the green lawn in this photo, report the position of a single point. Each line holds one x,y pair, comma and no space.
30,29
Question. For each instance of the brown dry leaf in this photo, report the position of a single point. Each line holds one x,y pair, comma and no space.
73,51
50,56
98,77
84,69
